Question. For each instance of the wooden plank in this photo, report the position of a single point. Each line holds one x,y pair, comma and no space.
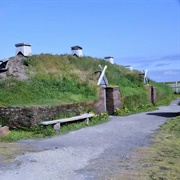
104,81
102,74
76,118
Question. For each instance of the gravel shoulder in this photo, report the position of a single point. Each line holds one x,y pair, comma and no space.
88,153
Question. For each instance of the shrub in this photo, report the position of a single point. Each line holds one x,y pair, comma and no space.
43,130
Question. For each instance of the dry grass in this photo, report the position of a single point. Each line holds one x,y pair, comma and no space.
8,151
160,161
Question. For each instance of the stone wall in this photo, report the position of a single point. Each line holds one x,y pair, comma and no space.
18,117
109,100
113,99
100,104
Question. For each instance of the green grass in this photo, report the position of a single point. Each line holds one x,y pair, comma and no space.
58,79
163,90
17,135
165,153
45,90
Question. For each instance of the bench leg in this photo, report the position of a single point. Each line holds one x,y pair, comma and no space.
57,126
86,121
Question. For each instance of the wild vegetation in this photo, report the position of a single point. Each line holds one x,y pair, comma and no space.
58,79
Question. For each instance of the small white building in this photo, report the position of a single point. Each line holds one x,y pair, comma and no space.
129,67
77,51
24,49
109,59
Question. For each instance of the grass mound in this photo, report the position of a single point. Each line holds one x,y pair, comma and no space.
58,79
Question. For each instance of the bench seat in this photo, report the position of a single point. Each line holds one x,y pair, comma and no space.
57,122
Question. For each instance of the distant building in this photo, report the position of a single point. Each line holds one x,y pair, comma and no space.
129,67
23,49
109,59
77,51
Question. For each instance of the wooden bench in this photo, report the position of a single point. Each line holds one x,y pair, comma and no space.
57,122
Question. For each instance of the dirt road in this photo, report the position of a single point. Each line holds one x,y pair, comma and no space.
89,153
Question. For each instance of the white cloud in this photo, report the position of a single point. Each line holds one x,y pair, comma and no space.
172,73
165,75
163,63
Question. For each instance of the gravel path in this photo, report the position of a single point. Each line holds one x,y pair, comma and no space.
89,152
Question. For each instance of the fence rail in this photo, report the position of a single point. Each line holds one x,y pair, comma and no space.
175,88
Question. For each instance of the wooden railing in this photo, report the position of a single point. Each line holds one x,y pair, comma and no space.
175,87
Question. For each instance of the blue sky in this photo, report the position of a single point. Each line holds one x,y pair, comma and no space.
141,33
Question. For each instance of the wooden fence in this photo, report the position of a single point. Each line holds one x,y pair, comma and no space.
175,87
